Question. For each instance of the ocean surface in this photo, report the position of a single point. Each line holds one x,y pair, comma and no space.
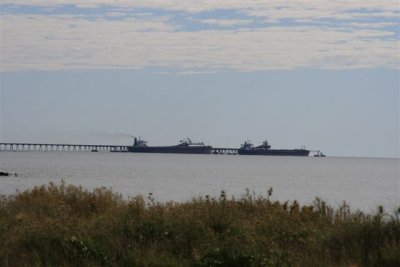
364,183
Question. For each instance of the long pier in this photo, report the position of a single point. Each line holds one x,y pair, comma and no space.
28,147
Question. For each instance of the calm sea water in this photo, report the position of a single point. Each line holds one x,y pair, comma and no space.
364,183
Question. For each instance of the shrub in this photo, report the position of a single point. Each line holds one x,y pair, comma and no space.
66,225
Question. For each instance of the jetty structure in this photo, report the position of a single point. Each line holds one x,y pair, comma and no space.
47,147
185,146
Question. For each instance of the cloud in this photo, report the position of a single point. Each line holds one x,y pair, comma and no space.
330,10
67,42
195,72
227,22
206,5
375,25
115,14
245,35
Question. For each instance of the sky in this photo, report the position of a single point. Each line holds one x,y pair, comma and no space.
323,74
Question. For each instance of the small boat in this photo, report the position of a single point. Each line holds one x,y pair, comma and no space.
94,150
319,154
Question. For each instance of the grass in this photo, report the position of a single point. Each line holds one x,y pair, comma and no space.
66,225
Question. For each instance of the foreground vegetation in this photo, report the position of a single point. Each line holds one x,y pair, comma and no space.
69,226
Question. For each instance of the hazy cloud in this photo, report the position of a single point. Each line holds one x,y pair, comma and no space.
205,5
227,22
253,35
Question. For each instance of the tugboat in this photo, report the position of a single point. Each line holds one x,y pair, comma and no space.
185,146
319,154
265,150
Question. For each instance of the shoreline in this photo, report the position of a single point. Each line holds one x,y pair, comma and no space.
16,183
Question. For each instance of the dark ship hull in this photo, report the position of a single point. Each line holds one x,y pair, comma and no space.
171,149
184,147
274,152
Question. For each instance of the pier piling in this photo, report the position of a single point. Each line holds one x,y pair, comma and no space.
28,147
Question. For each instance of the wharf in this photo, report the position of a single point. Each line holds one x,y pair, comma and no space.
27,147
39,147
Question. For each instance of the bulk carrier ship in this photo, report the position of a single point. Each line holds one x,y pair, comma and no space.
265,150
185,146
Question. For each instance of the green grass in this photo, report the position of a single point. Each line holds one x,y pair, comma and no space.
65,225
